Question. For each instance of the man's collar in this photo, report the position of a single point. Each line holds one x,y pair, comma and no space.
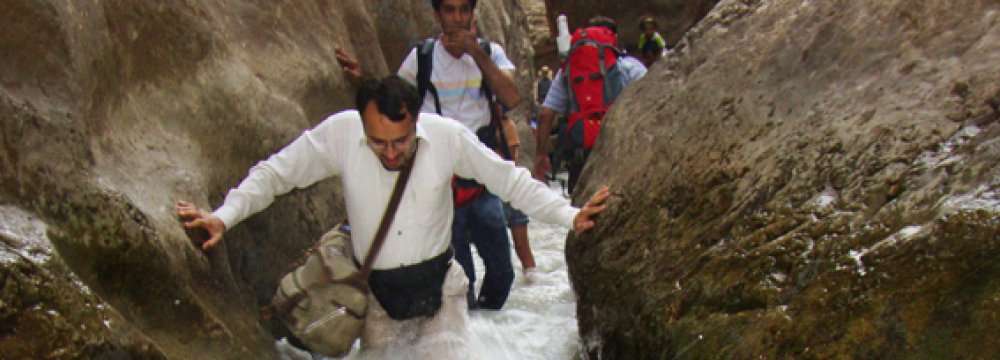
443,54
421,133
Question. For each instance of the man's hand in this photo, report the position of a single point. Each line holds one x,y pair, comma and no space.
460,41
542,167
594,206
351,67
195,218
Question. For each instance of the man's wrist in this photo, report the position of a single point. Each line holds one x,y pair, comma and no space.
478,53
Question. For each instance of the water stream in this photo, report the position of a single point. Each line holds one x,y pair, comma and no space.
538,320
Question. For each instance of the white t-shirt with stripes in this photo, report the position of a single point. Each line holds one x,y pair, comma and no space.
458,82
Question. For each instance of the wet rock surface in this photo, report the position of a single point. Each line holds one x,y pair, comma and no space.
111,111
802,179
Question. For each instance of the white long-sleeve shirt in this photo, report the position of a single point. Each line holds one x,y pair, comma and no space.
422,226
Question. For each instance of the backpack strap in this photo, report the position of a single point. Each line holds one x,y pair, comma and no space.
360,278
609,93
571,105
425,58
390,213
495,115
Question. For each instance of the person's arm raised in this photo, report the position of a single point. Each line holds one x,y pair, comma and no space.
351,66
501,82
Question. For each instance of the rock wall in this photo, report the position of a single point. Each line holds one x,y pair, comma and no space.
113,110
802,179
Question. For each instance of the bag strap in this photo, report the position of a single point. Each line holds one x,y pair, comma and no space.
424,65
360,278
495,115
390,213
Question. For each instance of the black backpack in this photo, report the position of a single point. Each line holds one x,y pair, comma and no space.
491,135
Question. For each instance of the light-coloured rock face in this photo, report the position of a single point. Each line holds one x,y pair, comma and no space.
111,111
802,179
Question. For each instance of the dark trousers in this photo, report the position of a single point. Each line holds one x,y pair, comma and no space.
483,223
574,165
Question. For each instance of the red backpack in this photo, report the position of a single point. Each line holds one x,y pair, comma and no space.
594,81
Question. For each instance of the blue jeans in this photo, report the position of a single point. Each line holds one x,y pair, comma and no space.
483,223
514,216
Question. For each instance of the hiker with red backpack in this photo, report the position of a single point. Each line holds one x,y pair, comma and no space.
593,74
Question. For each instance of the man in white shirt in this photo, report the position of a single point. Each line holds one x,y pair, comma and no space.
462,74
367,149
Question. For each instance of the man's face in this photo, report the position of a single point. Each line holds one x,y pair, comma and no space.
455,15
393,142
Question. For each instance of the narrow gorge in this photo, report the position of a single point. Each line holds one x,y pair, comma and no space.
795,179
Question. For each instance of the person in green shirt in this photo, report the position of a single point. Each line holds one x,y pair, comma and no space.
651,45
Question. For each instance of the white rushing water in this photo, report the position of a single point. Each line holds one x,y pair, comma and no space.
537,322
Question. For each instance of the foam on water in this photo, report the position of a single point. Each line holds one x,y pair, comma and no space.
537,322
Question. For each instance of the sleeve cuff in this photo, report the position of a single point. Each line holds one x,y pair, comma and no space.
228,215
568,215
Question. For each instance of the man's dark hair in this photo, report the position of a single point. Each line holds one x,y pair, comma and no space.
437,4
601,20
391,94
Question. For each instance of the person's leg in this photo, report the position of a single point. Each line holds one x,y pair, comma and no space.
521,246
517,222
489,233
575,167
444,336
463,253
574,170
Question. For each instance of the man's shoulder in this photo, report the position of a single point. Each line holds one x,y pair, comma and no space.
341,120
630,62
632,67
344,115
495,46
438,123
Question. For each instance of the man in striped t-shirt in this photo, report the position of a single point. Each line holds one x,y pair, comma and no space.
459,65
